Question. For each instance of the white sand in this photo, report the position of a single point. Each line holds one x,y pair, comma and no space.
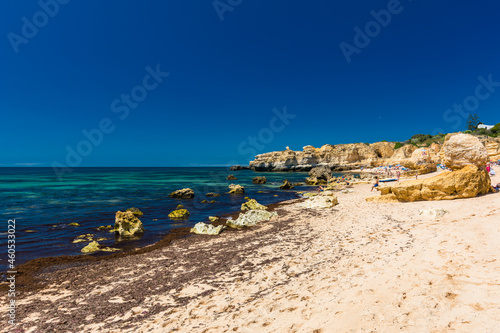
371,268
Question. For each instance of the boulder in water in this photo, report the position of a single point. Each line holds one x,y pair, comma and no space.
211,194
231,177
259,180
236,189
185,193
127,224
179,214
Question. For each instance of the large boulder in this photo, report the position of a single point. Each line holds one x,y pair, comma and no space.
231,177
185,193
127,224
321,173
464,183
252,204
461,150
236,189
259,180
383,149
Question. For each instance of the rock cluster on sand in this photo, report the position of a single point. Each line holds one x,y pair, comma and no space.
201,228
179,214
127,224
236,189
259,180
185,193
466,156
231,177
325,200
252,204
250,218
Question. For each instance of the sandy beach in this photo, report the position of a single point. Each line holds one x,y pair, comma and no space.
357,267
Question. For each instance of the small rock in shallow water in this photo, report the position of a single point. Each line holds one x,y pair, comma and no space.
179,213
211,194
92,247
74,224
136,211
236,189
252,204
213,218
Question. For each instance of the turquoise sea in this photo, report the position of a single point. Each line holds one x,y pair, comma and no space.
44,206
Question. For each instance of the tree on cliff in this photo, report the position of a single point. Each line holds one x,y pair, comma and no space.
472,122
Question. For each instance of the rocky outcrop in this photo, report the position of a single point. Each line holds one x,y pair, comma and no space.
185,193
127,224
201,228
252,217
383,149
212,194
421,161
461,150
464,183
350,156
338,157
252,204
286,185
231,177
94,246
236,189
259,180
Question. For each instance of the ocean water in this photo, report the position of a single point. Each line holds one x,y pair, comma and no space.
39,202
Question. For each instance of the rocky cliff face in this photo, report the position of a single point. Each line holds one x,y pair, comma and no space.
355,155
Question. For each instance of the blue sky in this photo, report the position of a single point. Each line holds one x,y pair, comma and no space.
226,76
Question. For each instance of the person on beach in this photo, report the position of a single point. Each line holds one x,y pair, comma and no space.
320,189
398,174
488,167
376,184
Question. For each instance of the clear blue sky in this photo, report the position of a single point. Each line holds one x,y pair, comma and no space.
226,76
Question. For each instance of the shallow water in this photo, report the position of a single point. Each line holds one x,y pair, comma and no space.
38,201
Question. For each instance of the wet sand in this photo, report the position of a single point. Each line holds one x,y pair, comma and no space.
357,267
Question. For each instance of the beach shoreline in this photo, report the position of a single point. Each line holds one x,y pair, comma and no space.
353,267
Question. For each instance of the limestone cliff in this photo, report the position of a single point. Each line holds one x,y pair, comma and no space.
350,156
